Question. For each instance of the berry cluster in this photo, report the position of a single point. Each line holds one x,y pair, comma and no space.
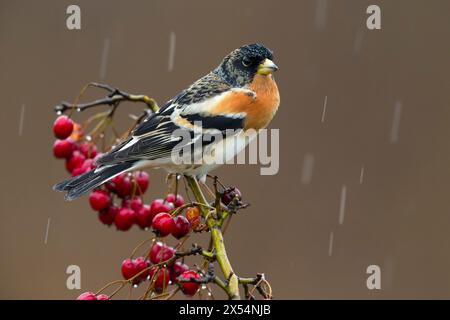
161,268
79,155
132,211
127,188
119,201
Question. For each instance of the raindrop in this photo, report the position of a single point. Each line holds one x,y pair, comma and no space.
78,109
321,14
135,285
22,116
203,286
104,58
361,175
342,204
330,245
59,112
172,43
396,122
324,108
308,167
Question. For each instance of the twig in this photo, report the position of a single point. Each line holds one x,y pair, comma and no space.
218,243
113,99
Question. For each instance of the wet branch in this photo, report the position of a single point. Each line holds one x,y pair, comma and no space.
113,99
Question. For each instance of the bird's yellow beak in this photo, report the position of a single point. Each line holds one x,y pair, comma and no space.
267,67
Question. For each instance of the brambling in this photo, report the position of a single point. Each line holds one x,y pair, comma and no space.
239,96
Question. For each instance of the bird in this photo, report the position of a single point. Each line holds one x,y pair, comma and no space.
233,102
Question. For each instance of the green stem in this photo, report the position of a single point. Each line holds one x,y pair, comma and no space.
232,281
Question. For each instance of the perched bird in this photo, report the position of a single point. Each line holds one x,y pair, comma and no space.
234,101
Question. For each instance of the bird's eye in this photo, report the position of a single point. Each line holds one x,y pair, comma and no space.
246,62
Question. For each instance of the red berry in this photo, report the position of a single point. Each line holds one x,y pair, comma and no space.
189,288
129,269
161,252
87,166
122,185
142,180
144,217
87,296
99,200
88,149
110,186
163,224
124,219
162,278
63,148
177,269
78,171
142,264
231,194
98,156
170,198
177,201
114,181
169,205
62,127
135,204
108,215
158,206
181,228
103,297
76,160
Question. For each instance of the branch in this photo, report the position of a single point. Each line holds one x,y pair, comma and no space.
114,98
232,284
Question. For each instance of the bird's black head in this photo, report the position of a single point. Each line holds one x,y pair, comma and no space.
240,66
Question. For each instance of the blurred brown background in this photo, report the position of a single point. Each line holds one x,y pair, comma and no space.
387,113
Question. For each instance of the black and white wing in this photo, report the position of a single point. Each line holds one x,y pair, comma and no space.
187,115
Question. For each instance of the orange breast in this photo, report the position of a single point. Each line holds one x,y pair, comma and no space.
260,109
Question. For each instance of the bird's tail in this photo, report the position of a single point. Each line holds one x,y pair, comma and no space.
82,184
